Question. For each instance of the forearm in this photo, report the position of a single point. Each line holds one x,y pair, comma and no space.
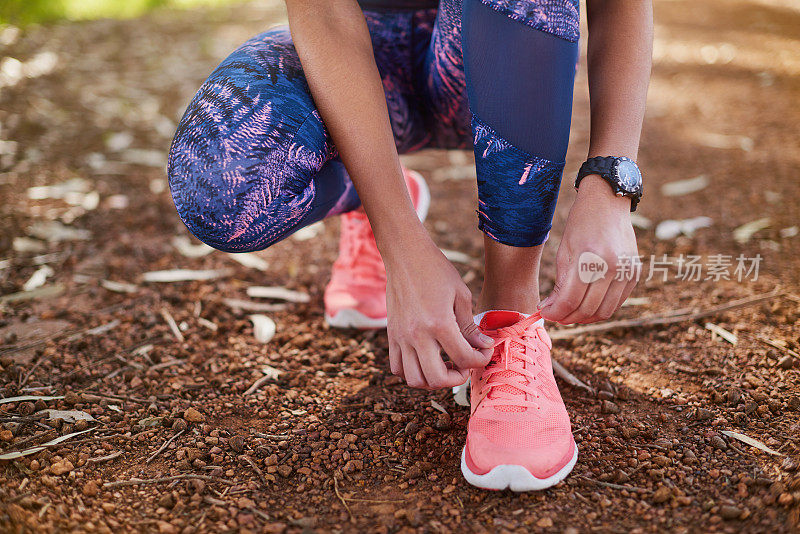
333,43
620,48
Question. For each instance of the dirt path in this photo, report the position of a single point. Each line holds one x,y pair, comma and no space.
331,441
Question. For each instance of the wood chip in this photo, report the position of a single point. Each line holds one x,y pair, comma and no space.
721,332
187,248
751,441
263,328
182,275
684,187
745,232
278,293
248,259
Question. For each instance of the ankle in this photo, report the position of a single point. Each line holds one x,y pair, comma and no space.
522,300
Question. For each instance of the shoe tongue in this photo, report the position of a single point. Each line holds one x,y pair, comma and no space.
492,320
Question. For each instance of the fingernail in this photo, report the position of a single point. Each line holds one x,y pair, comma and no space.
545,303
486,339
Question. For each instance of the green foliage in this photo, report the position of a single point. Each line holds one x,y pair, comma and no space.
22,12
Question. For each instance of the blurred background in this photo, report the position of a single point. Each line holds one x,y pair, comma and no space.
91,92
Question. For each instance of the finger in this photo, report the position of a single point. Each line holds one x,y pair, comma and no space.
591,302
566,297
611,302
466,324
411,368
462,354
629,287
395,360
437,374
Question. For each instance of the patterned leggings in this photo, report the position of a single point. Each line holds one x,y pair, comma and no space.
252,162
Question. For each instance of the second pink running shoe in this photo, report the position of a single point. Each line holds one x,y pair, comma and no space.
519,435
356,295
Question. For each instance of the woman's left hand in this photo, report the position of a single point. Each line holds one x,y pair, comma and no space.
598,231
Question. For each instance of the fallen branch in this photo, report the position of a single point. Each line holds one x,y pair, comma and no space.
344,503
611,485
141,481
256,469
172,324
561,372
104,459
257,384
662,319
164,446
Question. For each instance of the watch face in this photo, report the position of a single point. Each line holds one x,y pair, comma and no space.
628,175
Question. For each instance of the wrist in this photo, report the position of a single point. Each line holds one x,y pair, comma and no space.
594,187
401,239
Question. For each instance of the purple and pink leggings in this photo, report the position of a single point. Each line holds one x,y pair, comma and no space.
252,161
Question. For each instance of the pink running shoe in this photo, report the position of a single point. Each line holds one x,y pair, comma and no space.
356,295
519,435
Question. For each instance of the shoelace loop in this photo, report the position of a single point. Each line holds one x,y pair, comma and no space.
522,363
360,253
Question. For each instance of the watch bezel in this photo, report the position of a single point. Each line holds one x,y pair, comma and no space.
621,187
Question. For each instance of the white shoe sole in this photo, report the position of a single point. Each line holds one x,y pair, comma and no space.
350,318
353,319
514,477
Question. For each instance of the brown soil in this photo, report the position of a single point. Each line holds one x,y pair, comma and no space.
335,427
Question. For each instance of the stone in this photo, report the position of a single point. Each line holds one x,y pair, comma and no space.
193,416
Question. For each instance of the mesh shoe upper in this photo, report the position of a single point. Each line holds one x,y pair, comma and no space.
518,416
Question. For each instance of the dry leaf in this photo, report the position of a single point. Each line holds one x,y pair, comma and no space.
461,394
721,332
263,328
33,398
438,406
750,441
182,275
69,416
248,305
38,278
457,257
304,234
42,292
640,221
743,233
54,232
271,372
26,244
19,454
248,259
185,246
277,292
119,287
671,229
684,187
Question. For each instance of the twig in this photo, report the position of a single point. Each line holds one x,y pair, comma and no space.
662,319
256,469
172,324
776,345
104,459
271,436
164,446
570,379
140,481
257,384
344,503
611,485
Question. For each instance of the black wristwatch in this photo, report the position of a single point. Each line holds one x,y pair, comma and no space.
622,174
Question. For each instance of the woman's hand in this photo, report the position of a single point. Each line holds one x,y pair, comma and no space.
598,223
429,310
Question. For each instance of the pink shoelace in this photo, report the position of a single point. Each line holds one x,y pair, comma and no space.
359,253
511,380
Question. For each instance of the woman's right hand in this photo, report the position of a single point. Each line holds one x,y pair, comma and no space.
429,310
